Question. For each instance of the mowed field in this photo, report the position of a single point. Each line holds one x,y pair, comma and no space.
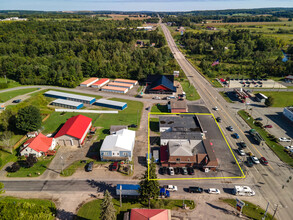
130,17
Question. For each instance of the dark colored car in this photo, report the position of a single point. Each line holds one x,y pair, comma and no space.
242,144
268,126
195,189
114,166
176,170
264,161
184,171
259,119
249,162
89,166
230,128
148,108
190,170
236,136
132,126
163,170
16,101
218,119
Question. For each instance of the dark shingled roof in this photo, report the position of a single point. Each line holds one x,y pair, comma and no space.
161,80
181,135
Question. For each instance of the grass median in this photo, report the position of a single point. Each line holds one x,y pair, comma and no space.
190,91
5,96
275,147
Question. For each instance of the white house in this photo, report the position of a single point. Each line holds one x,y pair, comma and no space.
38,146
118,146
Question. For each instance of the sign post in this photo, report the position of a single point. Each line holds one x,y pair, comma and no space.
239,206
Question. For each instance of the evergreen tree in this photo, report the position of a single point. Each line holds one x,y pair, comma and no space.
2,188
108,212
28,119
269,101
149,186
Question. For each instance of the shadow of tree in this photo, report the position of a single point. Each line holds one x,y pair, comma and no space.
102,186
65,215
226,211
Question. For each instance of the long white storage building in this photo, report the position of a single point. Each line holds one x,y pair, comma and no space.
70,96
128,81
100,83
111,104
114,89
122,85
67,104
89,82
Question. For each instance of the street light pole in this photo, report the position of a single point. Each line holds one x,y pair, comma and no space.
61,164
275,211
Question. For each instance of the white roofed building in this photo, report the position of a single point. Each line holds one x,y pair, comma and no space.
118,146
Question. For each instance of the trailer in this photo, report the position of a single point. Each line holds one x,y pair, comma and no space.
240,94
243,191
156,156
127,190
256,136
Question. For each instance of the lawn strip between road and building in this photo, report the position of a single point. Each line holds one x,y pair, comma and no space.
154,127
281,98
190,91
159,108
92,209
275,147
224,95
17,208
250,210
5,96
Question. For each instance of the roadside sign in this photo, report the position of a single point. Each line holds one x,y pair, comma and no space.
239,205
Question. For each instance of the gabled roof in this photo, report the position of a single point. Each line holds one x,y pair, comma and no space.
75,127
123,140
40,143
164,81
149,214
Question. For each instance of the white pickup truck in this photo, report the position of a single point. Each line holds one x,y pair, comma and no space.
171,188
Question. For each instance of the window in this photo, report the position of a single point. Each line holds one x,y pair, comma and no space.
177,159
105,153
125,154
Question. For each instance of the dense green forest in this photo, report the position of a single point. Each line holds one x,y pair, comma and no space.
239,52
63,52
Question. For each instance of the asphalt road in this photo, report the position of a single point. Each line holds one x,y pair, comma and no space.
270,180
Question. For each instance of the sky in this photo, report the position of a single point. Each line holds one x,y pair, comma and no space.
139,5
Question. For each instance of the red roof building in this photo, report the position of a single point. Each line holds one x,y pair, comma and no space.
74,131
150,214
38,146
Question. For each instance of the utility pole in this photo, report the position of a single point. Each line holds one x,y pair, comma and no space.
62,164
275,211
264,216
120,190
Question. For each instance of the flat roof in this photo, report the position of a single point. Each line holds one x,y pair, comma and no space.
69,95
126,80
120,84
210,152
89,81
114,88
181,135
178,104
180,123
67,102
111,102
101,81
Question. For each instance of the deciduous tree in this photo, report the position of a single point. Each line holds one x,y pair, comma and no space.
28,119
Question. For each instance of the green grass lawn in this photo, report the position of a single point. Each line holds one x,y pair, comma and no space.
250,210
191,93
92,210
7,157
17,208
159,108
38,167
276,147
10,83
281,99
5,96
226,97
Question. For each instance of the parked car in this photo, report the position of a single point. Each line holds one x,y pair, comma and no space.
241,152
259,119
147,109
16,101
264,161
218,119
284,139
163,170
242,144
249,162
190,170
215,108
176,170
289,147
132,126
89,166
171,188
254,159
171,171
114,166
195,189
214,191
230,128
184,170
236,136
268,126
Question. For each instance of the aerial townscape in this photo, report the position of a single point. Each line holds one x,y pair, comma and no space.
146,110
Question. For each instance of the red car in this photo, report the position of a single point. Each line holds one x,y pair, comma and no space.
114,166
264,161
268,126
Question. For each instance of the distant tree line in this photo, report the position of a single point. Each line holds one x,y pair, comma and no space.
62,53
255,55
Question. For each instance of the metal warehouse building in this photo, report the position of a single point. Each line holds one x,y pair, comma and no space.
128,81
71,97
122,85
100,83
114,89
111,104
89,82
67,104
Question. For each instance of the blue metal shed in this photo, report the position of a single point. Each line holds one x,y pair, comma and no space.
111,104
70,96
